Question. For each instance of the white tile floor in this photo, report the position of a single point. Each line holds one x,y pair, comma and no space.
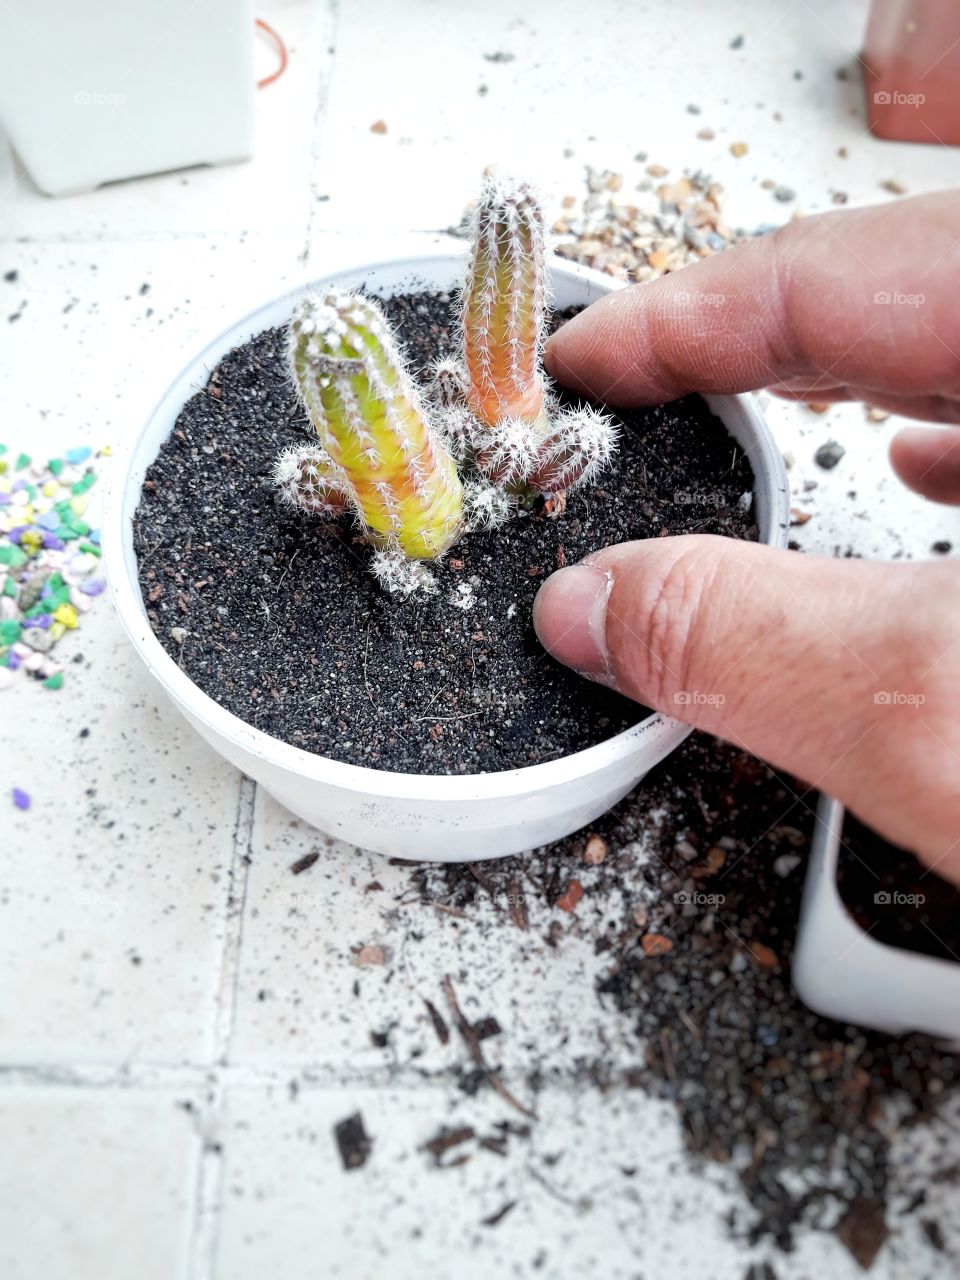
181,1022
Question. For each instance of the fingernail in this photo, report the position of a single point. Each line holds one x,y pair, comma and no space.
570,616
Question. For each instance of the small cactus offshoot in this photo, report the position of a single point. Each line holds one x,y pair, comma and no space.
308,478
418,472
399,476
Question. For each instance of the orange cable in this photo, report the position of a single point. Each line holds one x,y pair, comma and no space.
281,49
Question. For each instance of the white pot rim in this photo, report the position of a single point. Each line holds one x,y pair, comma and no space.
657,728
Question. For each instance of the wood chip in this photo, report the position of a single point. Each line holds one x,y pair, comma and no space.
657,170
800,517
894,186
818,406
353,1141
655,944
369,955
873,415
738,149
476,1052
447,1139
439,1026
706,135
764,956
379,126
571,896
658,259
304,863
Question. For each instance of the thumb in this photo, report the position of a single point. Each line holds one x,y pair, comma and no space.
793,657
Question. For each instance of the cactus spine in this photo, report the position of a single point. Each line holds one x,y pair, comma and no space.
400,477
504,307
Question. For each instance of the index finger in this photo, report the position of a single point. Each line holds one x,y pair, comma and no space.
851,298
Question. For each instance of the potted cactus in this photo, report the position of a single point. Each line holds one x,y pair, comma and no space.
417,472
327,548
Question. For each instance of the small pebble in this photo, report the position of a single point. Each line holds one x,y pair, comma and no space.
595,850
942,547
738,149
20,798
829,454
785,864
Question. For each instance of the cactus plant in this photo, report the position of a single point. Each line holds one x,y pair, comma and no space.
417,473
399,476
521,442
504,307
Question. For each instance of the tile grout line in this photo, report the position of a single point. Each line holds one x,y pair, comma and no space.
205,1219
325,32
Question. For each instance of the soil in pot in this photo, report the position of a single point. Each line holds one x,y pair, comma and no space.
894,897
275,616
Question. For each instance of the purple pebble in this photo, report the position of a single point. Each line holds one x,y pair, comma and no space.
42,620
92,588
12,661
14,534
51,543
5,499
21,799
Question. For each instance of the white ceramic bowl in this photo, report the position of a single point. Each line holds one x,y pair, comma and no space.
447,819
840,971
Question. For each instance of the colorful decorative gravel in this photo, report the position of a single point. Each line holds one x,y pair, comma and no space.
49,559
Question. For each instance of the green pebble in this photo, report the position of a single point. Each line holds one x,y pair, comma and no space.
3,450
9,631
81,486
65,533
4,657
10,586
55,466
81,528
12,556
23,461
90,547
54,682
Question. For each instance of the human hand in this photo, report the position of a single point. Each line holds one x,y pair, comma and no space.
846,673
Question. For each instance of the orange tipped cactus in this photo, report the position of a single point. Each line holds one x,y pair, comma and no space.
504,307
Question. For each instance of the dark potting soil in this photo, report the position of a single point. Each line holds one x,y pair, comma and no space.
892,895
699,875
276,616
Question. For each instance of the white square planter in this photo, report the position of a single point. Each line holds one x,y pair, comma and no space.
840,971
94,93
